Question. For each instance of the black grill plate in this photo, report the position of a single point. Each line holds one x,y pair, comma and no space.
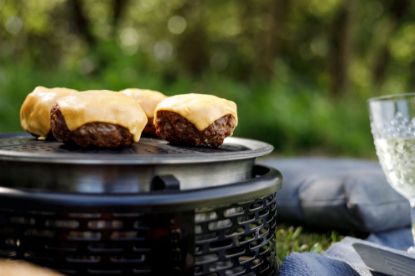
21,147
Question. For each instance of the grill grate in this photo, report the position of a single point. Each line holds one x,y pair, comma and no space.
25,147
237,239
147,146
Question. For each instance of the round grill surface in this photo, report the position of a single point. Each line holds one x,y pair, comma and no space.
150,164
21,147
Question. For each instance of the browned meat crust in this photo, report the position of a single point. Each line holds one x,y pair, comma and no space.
102,135
149,130
178,130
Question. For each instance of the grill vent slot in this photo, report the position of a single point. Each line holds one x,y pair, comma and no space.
242,235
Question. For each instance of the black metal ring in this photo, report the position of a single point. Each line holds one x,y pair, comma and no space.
267,181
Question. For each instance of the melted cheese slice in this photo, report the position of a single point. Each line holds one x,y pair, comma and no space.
199,109
35,110
105,107
148,99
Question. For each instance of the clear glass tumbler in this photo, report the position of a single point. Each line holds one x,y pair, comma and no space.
392,120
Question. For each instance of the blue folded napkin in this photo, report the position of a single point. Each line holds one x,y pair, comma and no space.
341,259
311,264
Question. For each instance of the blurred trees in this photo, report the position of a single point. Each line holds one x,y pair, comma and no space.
339,46
299,70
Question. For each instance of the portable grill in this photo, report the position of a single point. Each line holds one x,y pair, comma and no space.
152,208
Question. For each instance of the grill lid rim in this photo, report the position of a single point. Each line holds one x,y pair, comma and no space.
254,149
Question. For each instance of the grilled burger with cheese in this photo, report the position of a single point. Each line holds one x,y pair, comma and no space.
195,119
98,118
35,110
148,100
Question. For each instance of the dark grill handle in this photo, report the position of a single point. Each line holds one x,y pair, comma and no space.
166,182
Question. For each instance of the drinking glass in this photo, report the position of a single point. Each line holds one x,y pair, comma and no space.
392,120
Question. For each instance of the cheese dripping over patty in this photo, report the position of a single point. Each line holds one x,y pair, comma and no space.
103,106
35,110
199,109
148,99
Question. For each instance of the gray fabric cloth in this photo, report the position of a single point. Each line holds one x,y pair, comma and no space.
397,239
341,259
344,194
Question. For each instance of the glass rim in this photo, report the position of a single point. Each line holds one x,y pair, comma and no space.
391,97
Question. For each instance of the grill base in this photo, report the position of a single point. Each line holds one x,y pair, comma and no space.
231,240
232,235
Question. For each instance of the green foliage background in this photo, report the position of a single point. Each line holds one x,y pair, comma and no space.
300,71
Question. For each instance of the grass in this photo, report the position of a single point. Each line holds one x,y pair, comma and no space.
297,239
